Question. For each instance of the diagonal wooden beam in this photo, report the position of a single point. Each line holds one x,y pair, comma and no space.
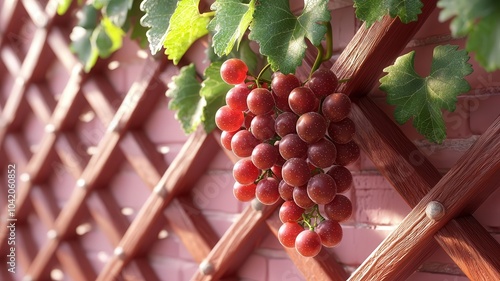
186,168
460,191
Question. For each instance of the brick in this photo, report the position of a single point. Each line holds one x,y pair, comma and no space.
432,26
220,222
214,188
221,161
283,269
419,276
248,270
358,243
162,127
343,26
483,111
488,214
271,242
379,207
167,267
129,191
445,155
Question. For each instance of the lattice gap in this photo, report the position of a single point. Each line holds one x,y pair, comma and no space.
105,196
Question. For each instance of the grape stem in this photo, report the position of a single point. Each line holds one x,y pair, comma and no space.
208,14
258,79
322,56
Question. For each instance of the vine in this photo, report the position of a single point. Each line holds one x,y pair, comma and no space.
172,26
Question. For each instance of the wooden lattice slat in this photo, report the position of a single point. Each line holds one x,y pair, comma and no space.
462,237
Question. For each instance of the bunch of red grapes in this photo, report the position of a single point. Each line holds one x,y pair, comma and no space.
294,140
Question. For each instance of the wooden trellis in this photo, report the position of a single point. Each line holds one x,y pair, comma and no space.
461,191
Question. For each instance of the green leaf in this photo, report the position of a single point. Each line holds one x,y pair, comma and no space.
138,31
371,11
423,97
213,91
63,6
108,38
281,35
184,94
232,19
88,17
117,10
157,18
186,26
84,49
479,21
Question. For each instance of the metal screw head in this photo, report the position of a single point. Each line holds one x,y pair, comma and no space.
52,234
119,252
435,210
206,267
50,128
81,183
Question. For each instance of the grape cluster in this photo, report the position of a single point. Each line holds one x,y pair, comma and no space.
294,140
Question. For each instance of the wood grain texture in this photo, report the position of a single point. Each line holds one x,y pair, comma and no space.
181,174
461,190
237,242
372,49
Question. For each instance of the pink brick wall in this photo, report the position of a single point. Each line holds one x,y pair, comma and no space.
378,209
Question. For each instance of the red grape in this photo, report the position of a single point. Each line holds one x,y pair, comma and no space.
308,243
347,153
287,233
342,177
228,119
225,139
233,71
245,172
336,107
296,172
322,153
260,101
292,146
283,84
264,155
285,124
236,98
285,190
330,233
321,188
244,193
301,197
243,143
248,119
267,191
289,211
276,169
302,100
262,127
323,82
342,131
311,127
340,209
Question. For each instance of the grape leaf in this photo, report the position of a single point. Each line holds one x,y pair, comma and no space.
184,94
186,26
138,31
232,19
81,45
117,11
63,6
423,97
478,20
213,91
281,35
157,17
107,37
371,11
